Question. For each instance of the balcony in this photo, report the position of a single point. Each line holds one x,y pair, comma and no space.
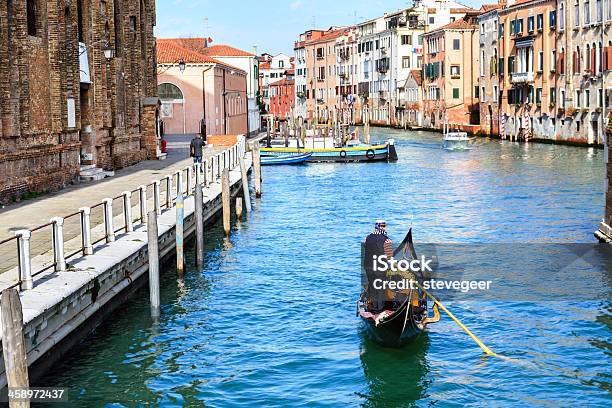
522,77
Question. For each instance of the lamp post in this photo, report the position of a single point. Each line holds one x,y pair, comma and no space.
182,65
109,51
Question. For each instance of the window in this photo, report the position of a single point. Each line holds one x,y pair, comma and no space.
405,62
431,20
530,24
587,12
541,61
281,64
476,94
599,98
552,18
512,27
587,98
553,61
406,39
494,93
501,30
502,67
553,95
483,94
540,21
578,99
456,44
482,28
420,39
31,17
511,65
455,93
455,71
576,13
539,95
169,92
482,63
561,16
519,26
419,61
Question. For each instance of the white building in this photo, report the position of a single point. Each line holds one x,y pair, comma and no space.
248,63
271,69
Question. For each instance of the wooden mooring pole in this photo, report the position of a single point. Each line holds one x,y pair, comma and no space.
153,244
179,231
199,220
13,344
239,208
225,198
257,169
245,185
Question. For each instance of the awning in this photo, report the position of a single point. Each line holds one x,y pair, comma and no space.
524,42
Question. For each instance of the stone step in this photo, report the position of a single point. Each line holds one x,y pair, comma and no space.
91,173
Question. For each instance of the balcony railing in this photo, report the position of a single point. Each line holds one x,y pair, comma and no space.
522,77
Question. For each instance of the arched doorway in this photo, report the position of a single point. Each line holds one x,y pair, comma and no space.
172,111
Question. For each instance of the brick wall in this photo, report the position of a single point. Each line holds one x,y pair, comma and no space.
40,73
222,140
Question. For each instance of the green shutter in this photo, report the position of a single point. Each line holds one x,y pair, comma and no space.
455,93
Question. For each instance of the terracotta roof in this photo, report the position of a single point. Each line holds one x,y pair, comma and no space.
169,52
489,7
329,35
220,50
418,76
283,82
264,65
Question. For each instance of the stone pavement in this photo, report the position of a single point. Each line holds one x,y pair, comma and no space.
35,212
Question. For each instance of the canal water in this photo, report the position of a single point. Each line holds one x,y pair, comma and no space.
270,320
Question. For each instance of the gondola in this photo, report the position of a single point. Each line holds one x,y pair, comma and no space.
399,322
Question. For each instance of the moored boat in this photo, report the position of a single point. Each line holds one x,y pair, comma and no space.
353,153
285,159
456,141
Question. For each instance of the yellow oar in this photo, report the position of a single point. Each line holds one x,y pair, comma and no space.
465,329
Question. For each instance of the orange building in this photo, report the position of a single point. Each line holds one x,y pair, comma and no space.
450,75
321,96
282,98
528,82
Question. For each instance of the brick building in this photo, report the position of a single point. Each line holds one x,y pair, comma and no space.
488,27
65,100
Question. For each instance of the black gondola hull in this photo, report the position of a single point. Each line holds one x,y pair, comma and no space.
397,330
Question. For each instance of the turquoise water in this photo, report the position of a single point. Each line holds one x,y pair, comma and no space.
270,320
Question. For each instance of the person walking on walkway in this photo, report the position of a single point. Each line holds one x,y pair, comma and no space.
195,149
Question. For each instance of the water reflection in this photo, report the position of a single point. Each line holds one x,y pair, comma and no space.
395,376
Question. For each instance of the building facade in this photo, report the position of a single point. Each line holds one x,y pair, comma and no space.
488,80
412,98
77,90
450,75
271,69
301,71
234,57
321,82
282,98
583,69
197,90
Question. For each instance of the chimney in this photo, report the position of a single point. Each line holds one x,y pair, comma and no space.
254,49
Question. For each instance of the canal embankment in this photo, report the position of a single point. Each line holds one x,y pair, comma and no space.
64,296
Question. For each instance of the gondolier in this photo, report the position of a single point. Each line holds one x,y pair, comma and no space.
377,243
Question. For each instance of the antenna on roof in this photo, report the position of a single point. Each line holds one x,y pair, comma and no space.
206,31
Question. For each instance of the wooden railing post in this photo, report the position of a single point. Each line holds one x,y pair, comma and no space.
179,232
169,191
179,183
108,220
58,243
188,170
156,198
142,191
25,261
86,230
127,211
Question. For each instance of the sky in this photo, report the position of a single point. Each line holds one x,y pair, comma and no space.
271,25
